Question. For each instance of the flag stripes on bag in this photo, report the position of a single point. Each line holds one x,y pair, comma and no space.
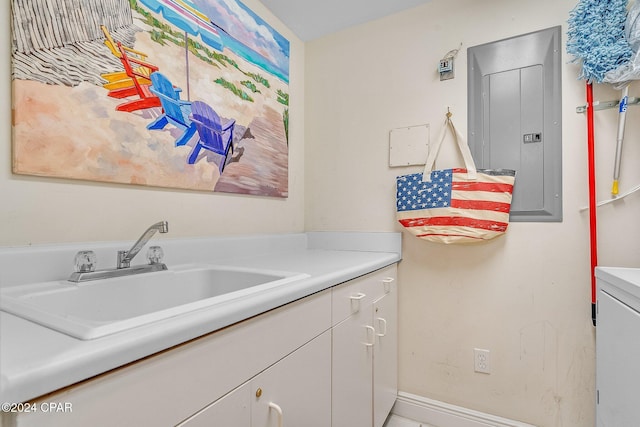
459,205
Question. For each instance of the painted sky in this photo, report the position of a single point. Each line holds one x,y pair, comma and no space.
247,27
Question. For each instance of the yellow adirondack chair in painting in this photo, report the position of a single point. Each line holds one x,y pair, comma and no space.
119,83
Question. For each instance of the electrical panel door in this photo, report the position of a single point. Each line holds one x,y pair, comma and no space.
515,118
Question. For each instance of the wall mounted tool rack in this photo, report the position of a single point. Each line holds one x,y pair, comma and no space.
605,105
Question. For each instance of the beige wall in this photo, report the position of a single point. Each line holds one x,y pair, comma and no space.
526,296
37,210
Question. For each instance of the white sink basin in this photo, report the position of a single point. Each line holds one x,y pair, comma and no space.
93,309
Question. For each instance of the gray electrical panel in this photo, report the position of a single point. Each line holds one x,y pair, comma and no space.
515,118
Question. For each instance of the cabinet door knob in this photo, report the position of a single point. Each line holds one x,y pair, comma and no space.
258,392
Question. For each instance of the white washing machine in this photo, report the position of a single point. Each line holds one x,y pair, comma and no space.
618,347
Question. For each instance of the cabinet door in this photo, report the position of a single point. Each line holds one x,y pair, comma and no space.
385,355
234,409
296,391
352,364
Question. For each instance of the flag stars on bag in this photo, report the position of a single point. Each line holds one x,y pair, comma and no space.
424,195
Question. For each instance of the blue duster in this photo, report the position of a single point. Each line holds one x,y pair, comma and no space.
596,37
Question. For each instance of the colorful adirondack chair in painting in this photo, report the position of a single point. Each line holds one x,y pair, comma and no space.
213,135
175,111
146,99
119,83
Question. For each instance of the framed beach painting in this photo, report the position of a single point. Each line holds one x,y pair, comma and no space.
189,94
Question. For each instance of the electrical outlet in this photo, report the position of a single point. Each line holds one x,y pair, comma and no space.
482,360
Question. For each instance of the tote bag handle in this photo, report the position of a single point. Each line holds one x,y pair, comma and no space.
462,146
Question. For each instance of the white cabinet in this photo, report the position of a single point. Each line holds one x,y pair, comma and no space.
618,347
364,357
329,359
352,367
385,355
300,386
169,387
294,392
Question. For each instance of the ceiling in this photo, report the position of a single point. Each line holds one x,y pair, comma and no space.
310,19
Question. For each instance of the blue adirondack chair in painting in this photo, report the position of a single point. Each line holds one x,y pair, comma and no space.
175,111
213,135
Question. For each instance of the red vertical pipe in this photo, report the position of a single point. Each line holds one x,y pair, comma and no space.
593,229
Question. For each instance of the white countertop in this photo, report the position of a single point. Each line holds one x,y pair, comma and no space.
35,360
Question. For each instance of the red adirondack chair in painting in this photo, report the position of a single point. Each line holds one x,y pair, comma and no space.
213,135
146,99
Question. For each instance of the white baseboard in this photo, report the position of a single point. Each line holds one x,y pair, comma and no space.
442,414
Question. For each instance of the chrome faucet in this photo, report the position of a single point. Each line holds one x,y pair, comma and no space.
125,257
85,260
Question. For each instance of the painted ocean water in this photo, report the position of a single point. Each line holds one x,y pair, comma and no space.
248,35
255,58
238,28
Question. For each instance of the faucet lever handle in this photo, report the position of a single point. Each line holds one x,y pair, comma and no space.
155,254
84,261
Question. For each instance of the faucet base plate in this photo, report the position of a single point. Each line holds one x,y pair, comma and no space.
77,277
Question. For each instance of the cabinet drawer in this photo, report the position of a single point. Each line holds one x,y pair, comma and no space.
348,298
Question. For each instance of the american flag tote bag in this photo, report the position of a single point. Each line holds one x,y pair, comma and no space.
458,205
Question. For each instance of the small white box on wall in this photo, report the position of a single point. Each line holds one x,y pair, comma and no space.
408,145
